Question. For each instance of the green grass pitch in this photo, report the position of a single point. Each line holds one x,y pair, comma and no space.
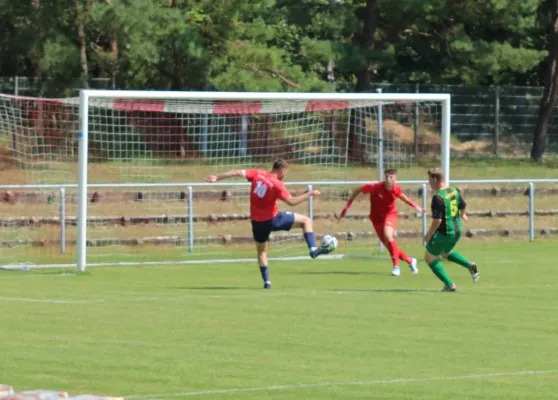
329,329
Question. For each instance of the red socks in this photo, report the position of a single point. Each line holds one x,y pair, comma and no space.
397,254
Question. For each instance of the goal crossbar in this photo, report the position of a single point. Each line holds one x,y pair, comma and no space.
244,96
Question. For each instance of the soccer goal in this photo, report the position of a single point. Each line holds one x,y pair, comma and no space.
118,176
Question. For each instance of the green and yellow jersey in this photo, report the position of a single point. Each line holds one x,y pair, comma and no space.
446,204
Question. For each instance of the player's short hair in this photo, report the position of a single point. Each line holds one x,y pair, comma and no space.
436,173
280,164
390,171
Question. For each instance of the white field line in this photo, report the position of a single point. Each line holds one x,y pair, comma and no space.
263,294
52,301
147,298
37,274
175,262
330,257
336,384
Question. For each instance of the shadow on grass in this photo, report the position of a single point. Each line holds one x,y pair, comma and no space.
38,272
341,273
213,288
384,290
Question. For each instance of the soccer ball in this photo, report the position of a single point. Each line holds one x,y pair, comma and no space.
329,242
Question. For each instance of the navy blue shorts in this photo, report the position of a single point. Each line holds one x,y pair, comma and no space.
281,222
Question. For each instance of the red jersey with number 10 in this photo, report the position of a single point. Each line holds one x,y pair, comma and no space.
382,201
265,191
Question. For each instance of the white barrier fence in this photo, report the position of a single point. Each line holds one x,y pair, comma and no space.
63,216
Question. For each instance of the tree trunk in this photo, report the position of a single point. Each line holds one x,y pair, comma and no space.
82,44
331,62
548,99
114,64
357,130
178,73
366,44
114,53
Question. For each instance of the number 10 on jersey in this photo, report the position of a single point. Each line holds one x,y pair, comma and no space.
260,190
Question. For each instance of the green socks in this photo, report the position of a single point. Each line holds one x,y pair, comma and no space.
458,259
440,272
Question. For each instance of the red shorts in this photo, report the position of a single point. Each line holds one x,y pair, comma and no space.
389,220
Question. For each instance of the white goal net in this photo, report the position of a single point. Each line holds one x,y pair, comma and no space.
148,153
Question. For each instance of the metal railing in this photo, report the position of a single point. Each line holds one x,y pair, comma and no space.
309,186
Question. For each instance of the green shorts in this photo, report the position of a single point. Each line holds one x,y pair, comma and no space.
440,243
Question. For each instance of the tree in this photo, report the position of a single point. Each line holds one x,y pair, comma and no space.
548,98
464,42
366,41
269,45
17,37
257,47
147,44
79,12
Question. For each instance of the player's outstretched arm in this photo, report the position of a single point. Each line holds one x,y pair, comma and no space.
294,201
411,203
350,200
226,175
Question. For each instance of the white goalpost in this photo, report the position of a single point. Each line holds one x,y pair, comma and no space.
117,177
242,100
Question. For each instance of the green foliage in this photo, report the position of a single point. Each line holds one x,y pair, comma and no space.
274,45
468,42
59,55
256,67
158,48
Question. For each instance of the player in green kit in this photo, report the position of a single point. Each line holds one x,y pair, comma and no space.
448,209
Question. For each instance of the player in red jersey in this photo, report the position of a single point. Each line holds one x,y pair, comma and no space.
267,188
383,215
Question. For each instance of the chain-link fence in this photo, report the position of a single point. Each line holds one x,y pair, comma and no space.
486,120
489,120
37,87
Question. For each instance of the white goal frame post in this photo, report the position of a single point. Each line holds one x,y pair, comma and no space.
83,135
